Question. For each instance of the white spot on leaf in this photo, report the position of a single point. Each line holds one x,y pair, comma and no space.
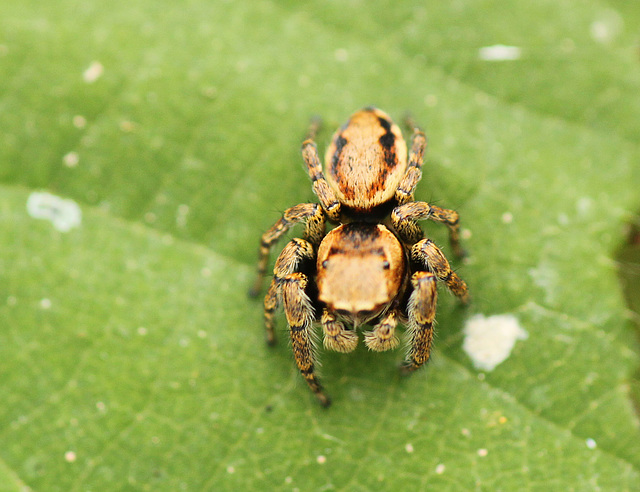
607,26
93,73
489,341
64,214
79,121
341,55
499,52
547,278
71,159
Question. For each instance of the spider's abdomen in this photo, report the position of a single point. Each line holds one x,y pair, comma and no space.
366,160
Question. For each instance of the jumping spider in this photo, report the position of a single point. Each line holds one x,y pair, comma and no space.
374,267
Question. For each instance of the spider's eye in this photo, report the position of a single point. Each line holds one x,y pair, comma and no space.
386,265
325,263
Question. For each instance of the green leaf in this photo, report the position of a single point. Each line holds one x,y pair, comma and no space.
130,356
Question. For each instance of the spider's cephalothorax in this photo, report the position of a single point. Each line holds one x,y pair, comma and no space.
374,267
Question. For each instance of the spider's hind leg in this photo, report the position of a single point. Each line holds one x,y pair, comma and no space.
407,186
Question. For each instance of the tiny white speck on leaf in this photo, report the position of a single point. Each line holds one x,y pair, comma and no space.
321,459
45,303
64,214
499,52
482,452
79,121
440,469
584,205
488,341
93,73
341,55
591,444
507,218
71,159
431,100
231,469
409,448
607,26
70,456
181,215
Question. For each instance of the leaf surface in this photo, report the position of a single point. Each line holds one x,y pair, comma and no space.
130,357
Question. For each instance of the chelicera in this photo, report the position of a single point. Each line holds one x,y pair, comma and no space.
374,267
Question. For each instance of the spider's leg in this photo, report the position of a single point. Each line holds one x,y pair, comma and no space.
296,256
289,284
421,312
299,311
430,257
403,219
407,186
321,188
311,213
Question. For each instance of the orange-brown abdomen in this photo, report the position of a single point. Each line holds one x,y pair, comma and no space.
366,160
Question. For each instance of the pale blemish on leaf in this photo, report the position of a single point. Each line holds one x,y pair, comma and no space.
546,277
499,52
93,72
71,159
63,213
488,341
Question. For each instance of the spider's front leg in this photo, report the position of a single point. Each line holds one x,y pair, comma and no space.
289,283
299,312
421,312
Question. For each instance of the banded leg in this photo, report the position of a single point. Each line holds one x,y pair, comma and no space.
427,254
407,186
311,213
294,254
421,311
382,337
321,188
403,219
336,336
299,312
